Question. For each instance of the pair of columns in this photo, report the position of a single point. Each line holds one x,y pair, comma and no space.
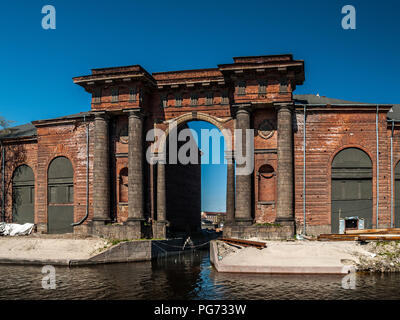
239,211
101,169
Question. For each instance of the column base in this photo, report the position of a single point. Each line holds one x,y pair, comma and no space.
136,227
285,221
100,221
229,223
160,229
243,222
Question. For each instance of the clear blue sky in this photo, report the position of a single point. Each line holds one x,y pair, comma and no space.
37,65
213,175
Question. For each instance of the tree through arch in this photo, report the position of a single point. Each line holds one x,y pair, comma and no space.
351,187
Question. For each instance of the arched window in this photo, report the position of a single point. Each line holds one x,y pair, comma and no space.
351,188
266,183
123,185
23,195
60,196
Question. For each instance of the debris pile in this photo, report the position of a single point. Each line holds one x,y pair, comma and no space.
384,257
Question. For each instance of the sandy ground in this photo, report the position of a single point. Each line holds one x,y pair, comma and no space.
50,247
294,253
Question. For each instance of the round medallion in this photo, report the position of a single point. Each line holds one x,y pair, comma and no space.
266,129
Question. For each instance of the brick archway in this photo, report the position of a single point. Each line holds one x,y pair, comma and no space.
198,116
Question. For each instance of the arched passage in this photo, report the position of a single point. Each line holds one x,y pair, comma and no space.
188,187
23,195
397,195
351,187
60,213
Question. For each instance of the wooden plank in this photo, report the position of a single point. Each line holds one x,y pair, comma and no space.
385,237
374,231
245,243
337,237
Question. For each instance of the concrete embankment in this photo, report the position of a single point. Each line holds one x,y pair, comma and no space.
289,257
73,250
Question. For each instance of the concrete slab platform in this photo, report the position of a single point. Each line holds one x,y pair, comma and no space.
290,265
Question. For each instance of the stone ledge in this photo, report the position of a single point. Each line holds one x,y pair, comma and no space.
269,232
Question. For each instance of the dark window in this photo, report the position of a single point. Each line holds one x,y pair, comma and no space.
209,98
262,87
283,88
132,94
194,100
164,101
97,95
224,98
114,95
178,101
241,88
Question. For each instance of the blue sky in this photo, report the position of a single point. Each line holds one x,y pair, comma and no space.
213,173
37,65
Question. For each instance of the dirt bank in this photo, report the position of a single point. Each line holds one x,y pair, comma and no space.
384,257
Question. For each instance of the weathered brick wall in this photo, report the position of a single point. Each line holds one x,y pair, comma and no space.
265,154
18,153
66,140
328,132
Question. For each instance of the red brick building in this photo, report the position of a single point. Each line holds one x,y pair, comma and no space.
316,158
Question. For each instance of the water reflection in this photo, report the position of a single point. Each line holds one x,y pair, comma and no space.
186,277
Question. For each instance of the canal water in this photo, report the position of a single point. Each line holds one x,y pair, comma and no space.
189,276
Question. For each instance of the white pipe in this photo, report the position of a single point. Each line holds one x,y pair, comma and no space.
3,198
391,178
377,168
304,171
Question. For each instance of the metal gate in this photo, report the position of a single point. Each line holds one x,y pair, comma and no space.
351,187
23,195
60,195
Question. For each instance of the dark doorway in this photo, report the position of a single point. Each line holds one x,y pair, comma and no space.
23,195
351,187
60,196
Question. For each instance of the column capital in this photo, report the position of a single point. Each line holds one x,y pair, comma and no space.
134,113
289,105
101,115
158,157
242,108
230,156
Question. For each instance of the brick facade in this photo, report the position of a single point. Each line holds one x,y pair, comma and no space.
251,93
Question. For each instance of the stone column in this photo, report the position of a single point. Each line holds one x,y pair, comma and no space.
160,227
101,170
243,182
230,188
284,210
135,172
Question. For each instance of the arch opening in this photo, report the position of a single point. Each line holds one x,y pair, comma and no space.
196,190
60,196
351,185
266,183
23,195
